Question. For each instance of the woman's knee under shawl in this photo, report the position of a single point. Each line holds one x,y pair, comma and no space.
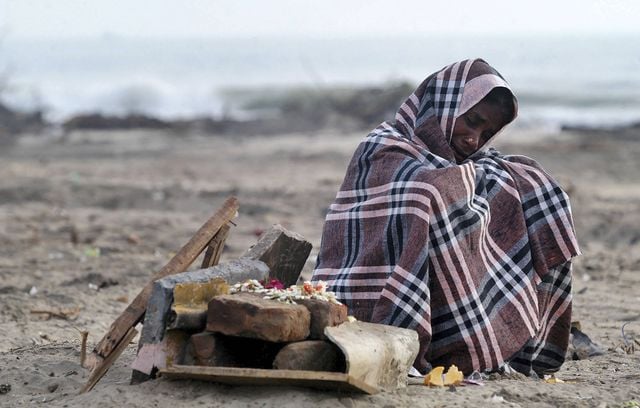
456,252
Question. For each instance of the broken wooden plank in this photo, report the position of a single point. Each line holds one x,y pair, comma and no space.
102,369
257,376
285,253
179,263
215,247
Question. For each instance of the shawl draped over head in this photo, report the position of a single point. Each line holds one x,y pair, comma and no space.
474,256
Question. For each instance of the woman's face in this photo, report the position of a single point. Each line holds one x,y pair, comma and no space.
474,128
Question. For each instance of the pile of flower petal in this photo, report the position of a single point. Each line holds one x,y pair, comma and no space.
274,290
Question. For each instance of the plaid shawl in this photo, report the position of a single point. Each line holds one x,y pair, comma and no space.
474,256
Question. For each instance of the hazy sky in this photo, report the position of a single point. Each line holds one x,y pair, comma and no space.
215,18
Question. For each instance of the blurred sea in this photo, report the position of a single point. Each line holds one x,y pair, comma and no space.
574,80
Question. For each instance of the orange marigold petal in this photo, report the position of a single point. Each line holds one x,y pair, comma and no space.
434,377
453,376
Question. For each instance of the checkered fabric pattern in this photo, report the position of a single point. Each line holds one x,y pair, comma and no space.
474,256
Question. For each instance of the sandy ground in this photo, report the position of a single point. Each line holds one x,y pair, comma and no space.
109,209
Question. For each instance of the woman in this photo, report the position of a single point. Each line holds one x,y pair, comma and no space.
433,231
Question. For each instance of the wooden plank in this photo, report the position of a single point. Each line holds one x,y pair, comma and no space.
259,376
215,247
101,370
179,263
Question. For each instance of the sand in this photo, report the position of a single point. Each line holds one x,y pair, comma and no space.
109,209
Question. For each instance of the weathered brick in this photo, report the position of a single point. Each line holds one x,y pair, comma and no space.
247,315
284,252
312,355
323,314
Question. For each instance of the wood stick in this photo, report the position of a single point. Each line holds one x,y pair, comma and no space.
64,314
101,370
83,347
134,313
215,247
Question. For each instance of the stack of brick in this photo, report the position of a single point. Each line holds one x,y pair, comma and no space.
168,324
245,330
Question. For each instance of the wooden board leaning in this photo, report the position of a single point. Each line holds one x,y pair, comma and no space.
108,348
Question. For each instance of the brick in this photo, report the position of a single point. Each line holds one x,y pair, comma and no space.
284,252
311,355
217,350
323,314
247,315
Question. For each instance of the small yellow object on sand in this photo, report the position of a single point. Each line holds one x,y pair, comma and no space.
438,378
434,377
551,379
453,376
